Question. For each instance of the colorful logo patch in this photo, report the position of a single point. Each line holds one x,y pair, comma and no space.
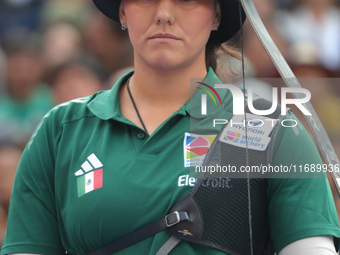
232,136
257,137
90,177
195,148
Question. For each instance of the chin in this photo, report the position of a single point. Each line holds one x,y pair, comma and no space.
167,63
164,64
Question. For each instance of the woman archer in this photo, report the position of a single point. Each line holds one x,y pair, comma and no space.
98,168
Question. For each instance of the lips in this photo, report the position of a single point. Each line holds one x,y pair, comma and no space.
166,35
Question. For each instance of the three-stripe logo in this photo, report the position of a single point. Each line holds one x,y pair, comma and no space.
90,176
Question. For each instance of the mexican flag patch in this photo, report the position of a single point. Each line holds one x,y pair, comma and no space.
90,182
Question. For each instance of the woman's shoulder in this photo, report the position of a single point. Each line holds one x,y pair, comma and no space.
67,112
73,109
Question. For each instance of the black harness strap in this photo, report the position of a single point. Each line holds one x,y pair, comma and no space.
143,233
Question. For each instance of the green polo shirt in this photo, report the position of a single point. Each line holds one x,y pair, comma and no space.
89,176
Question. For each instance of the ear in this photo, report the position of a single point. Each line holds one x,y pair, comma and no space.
217,16
122,13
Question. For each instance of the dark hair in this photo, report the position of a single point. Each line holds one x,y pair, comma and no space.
214,46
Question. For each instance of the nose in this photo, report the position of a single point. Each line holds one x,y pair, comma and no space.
165,13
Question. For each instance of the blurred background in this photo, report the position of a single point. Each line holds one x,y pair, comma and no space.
52,51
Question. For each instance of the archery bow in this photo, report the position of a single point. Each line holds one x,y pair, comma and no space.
319,134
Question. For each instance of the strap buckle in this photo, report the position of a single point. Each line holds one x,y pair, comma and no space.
172,219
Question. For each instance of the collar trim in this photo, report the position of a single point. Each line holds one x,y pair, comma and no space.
106,105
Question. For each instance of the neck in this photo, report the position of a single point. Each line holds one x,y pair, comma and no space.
161,87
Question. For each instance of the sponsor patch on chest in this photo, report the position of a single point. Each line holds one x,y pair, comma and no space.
195,147
252,132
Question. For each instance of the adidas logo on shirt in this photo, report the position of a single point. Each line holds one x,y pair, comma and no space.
90,176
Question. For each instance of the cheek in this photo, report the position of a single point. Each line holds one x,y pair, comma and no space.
197,29
197,21
138,29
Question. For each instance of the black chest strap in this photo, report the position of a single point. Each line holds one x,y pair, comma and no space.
143,233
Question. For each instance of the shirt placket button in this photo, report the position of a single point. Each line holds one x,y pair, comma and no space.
141,136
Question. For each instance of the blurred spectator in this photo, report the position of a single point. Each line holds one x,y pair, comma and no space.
9,160
62,42
320,81
284,4
304,52
74,12
328,107
110,44
63,23
19,15
26,100
73,80
2,71
258,60
317,22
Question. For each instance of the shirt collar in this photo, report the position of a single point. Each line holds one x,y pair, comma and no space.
106,105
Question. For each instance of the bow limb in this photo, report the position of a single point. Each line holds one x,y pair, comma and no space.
319,134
